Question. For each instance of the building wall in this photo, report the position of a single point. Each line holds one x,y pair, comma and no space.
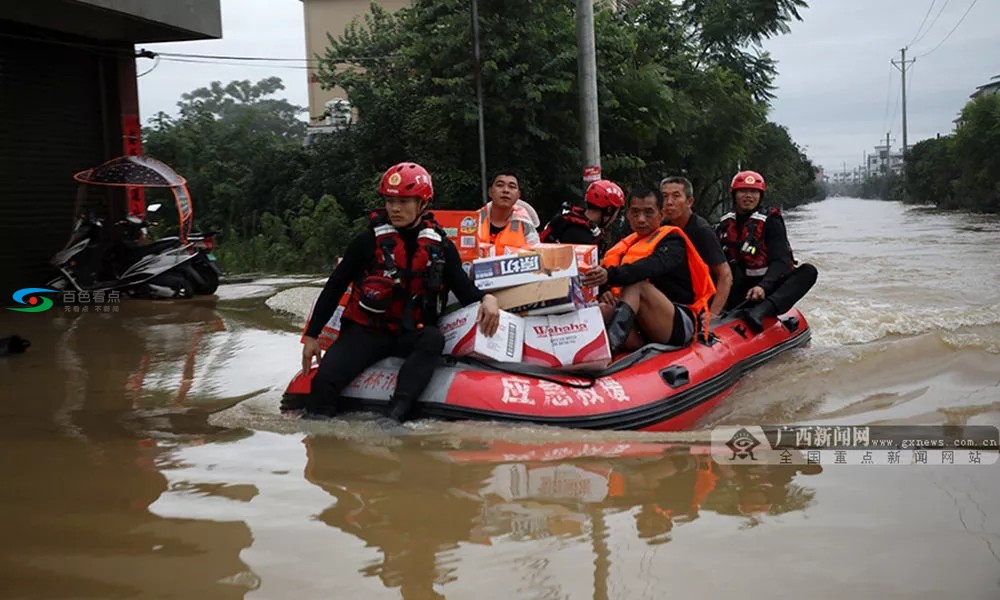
333,17
67,88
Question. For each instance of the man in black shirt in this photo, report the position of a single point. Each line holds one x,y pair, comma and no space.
659,286
754,239
678,203
402,268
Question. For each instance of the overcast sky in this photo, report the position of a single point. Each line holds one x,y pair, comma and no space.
836,90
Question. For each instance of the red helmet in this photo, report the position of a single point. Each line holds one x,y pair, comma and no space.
605,194
751,180
407,179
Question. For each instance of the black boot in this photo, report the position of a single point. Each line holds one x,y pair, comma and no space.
755,316
399,408
619,326
317,409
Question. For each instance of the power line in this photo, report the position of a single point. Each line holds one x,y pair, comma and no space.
156,63
272,59
931,26
927,14
222,57
238,64
952,30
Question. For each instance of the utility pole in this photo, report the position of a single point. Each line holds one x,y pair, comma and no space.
902,65
885,158
479,97
587,84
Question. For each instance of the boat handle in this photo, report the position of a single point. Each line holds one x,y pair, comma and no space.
675,376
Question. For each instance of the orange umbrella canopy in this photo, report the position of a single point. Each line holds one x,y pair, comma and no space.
139,171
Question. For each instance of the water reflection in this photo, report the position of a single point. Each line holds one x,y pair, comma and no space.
84,436
426,507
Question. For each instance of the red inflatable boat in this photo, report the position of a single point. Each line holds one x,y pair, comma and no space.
655,388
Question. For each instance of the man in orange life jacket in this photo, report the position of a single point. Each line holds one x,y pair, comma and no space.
678,204
586,224
756,246
506,220
656,277
401,267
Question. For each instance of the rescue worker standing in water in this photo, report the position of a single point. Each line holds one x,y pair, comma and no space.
402,268
586,224
757,248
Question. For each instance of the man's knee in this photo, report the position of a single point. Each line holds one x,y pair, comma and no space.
430,340
807,274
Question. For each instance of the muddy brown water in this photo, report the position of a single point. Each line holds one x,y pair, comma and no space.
144,456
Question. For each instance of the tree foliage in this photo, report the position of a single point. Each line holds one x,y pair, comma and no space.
683,88
961,170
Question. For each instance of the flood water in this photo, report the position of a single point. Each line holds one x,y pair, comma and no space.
144,455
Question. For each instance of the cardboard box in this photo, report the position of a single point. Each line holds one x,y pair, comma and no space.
575,340
462,335
462,227
526,267
561,295
586,259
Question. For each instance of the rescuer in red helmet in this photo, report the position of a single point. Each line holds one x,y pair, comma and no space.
576,224
402,268
765,274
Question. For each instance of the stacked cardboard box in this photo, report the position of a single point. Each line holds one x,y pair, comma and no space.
462,335
560,319
462,228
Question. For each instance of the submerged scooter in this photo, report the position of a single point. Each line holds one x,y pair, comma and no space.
94,262
201,271
96,259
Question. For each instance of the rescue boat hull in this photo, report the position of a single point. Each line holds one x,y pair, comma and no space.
656,388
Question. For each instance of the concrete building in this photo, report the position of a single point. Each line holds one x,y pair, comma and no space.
70,102
993,87
329,109
884,160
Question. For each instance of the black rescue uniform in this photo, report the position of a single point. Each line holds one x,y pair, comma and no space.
756,245
416,337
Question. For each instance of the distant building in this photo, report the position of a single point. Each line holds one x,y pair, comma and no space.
331,17
884,160
852,176
993,87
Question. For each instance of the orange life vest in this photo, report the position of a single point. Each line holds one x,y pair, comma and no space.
510,236
634,248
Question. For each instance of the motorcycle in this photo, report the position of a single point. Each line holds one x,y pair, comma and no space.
93,262
123,258
202,271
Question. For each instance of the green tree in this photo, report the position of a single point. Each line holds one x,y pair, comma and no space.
239,149
676,92
977,138
931,172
